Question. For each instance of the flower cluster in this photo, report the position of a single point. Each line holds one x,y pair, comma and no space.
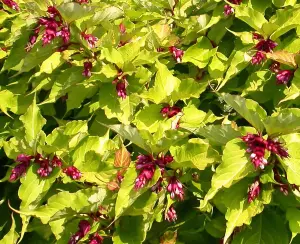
73,172
228,10
146,164
84,227
53,26
282,76
91,40
46,165
257,146
253,191
263,46
177,53
121,84
11,4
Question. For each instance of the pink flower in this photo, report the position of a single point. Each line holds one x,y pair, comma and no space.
64,33
121,89
145,175
284,76
96,239
228,10
256,146
253,191
122,28
276,148
175,188
170,214
11,4
87,69
92,40
73,172
46,166
177,53
258,57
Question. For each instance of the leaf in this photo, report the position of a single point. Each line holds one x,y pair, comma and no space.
75,11
292,163
200,53
130,133
12,236
107,14
33,188
238,210
196,153
283,57
7,101
65,200
263,230
234,167
50,64
285,121
165,84
131,230
122,158
293,216
284,21
248,109
218,134
33,123
127,195
250,16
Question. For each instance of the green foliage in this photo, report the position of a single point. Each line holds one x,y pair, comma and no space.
150,121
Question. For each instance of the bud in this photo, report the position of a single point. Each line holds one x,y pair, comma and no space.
253,191
275,67
91,40
87,67
96,239
177,53
11,4
258,58
121,89
122,28
284,76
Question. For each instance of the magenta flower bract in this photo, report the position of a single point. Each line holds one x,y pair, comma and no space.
177,53
23,158
84,227
11,4
73,172
175,188
266,45
82,1
284,76
121,89
87,67
91,40
46,166
96,239
170,214
277,148
168,111
256,146
253,191
19,171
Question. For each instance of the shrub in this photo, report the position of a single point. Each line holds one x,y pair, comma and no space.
150,121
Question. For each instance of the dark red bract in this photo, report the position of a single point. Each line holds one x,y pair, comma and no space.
121,89
258,58
168,111
96,239
11,4
84,227
177,53
91,40
87,67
